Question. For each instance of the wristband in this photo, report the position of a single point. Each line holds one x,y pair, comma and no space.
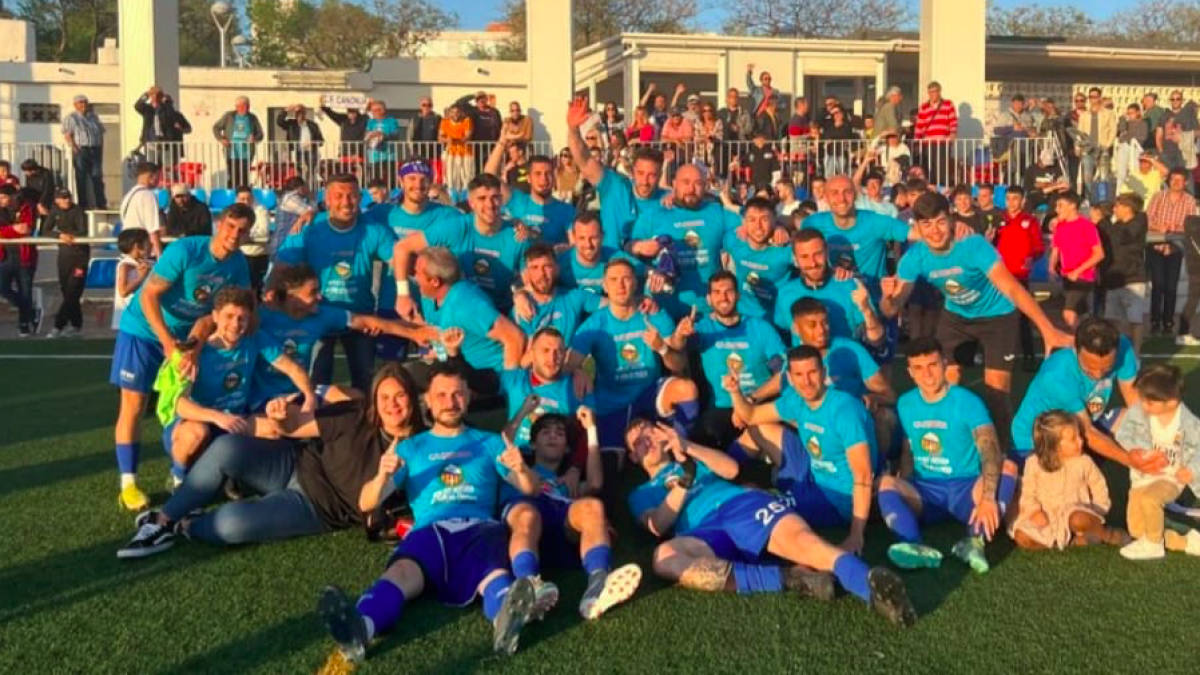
402,288
662,351
593,437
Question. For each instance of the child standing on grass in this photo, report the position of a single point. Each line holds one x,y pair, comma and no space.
1064,498
1075,251
1161,421
132,269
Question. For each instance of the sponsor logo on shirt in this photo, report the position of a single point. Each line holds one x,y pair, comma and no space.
814,447
290,347
342,269
202,293
734,362
481,267
1095,405
931,443
232,380
753,279
452,476
629,352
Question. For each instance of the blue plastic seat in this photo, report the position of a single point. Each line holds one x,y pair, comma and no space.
1000,191
163,195
220,199
266,197
200,195
102,273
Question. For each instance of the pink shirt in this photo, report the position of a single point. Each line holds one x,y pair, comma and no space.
1075,240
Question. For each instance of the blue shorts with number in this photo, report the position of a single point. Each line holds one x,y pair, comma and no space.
135,363
610,427
818,506
556,549
740,528
885,352
455,556
942,499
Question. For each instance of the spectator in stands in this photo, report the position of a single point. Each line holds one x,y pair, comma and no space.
18,264
737,122
763,94
424,131
1018,240
40,181
963,209
641,129
186,215
566,177
1176,136
84,132
839,137
7,177
67,221
1075,254
1133,136
655,106
1123,274
1166,213
517,126
761,161
139,208
293,213
892,155
709,133
1043,179
678,132
352,128
767,120
611,121
872,198
937,125
304,135
1017,121
1152,112
485,124
1097,127
889,114
163,127
515,172
382,132
456,130
1146,179
239,131
255,248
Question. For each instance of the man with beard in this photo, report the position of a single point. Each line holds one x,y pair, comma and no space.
621,200
487,247
550,218
452,476
760,266
541,303
582,265
729,343
692,233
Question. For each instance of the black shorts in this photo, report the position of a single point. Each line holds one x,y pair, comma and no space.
1078,296
997,336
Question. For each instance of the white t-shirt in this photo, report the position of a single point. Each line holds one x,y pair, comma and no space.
1167,440
127,267
139,209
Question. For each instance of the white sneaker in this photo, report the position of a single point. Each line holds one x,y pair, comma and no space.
1193,543
1144,549
71,331
54,334
1187,341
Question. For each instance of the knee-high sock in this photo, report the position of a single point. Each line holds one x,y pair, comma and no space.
597,558
127,457
757,578
381,605
493,595
525,564
899,517
685,416
1004,497
851,573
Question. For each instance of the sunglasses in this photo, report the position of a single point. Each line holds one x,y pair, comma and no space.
1176,98
426,105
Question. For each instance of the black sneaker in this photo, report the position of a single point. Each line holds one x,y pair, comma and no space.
809,582
344,623
151,538
889,597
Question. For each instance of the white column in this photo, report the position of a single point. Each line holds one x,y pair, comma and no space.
632,75
551,60
953,49
881,81
722,77
149,44
798,76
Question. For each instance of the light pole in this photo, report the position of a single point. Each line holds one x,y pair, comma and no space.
241,49
221,10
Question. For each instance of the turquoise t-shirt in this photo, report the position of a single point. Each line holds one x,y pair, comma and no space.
751,348
557,396
223,375
564,311
961,274
343,259
697,235
448,477
491,262
707,494
941,434
848,365
403,224
1061,385
385,150
240,137
574,274
195,277
466,307
298,338
551,488
760,273
862,247
840,422
552,220
845,318
625,365
620,207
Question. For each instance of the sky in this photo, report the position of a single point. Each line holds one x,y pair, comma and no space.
476,14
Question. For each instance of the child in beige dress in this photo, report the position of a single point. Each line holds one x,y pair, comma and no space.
1064,498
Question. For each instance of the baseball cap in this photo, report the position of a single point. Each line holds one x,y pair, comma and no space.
693,97
61,193
179,189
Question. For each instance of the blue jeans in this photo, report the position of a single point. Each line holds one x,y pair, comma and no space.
89,177
261,466
12,273
360,352
1164,284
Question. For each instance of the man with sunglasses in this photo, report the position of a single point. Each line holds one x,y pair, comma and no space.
1097,132
763,94
424,130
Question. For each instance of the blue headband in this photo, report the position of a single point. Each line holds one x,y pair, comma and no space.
415,166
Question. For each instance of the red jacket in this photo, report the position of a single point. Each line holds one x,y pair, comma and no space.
27,252
1019,240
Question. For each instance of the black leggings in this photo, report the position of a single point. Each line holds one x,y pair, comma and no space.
72,278
1164,283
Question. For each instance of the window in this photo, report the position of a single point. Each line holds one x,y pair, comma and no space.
40,113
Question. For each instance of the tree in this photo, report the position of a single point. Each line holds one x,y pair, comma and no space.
341,34
596,20
1040,21
819,18
1159,23
199,40
70,30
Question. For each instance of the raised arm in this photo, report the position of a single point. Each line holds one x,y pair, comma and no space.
510,337
403,254
589,167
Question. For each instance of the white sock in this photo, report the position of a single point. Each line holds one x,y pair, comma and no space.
176,481
128,479
370,623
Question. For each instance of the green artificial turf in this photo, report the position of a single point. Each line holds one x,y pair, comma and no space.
67,605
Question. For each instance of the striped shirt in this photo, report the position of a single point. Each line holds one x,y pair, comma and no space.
1166,212
938,122
86,130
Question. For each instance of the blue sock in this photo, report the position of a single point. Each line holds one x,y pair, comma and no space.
757,578
127,457
382,603
178,470
525,564
597,558
737,452
686,413
898,516
851,573
493,595
1008,486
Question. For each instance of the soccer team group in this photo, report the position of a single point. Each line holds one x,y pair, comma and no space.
665,331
